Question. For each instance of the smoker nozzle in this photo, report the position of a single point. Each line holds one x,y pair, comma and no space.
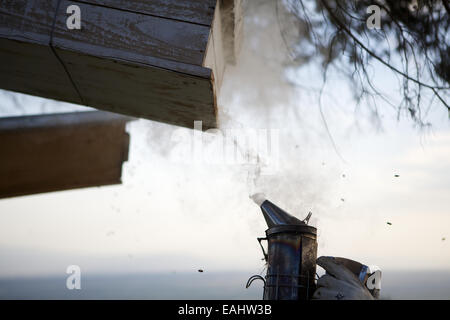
276,216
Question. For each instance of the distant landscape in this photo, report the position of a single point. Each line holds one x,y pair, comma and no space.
214,285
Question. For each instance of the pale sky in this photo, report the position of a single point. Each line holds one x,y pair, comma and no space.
172,216
169,215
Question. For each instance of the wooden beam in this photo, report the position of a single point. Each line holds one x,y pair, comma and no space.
139,58
232,28
194,11
61,151
131,36
150,93
224,39
27,63
162,59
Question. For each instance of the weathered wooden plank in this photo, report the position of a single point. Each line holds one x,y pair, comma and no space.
214,57
27,63
112,33
61,151
139,64
29,21
232,25
308,263
195,11
33,69
140,91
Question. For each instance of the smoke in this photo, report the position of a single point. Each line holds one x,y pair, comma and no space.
260,97
258,92
279,148
258,198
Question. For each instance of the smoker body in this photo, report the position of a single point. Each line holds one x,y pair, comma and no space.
291,262
291,256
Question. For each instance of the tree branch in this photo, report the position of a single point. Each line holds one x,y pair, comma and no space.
375,56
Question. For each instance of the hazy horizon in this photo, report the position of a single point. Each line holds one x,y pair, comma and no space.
377,185
425,284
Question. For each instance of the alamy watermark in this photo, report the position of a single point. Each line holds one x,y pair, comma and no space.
374,20
73,281
229,147
374,11
73,22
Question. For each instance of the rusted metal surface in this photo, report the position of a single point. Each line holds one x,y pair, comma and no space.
61,151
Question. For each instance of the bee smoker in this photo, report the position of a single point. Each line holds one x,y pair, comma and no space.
291,255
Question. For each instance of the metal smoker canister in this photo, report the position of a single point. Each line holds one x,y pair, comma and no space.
291,256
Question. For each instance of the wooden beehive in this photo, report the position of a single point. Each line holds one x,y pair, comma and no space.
157,59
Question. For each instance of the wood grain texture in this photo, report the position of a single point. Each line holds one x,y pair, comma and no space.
33,69
132,63
214,58
129,36
308,261
139,91
232,25
27,63
25,20
61,151
195,11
